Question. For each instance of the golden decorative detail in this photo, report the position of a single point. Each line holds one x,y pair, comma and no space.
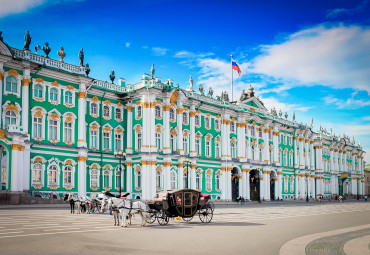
167,163
252,110
138,129
94,126
84,159
179,111
300,139
128,163
26,82
95,99
173,132
68,187
129,108
54,116
174,96
119,131
107,102
55,83
39,80
37,187
193,166
13,72
153,163
192,114
38,160
69,162
145,162
12,107
166,108
145,104
17,147
1,75
119,104
70,87
107,129
198,111
53,187
81,94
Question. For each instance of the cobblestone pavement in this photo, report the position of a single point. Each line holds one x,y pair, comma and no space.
333,245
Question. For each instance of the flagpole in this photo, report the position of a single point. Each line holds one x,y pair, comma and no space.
232,80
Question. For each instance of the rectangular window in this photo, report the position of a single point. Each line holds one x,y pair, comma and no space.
217,150
68,131
53,129
118,142
197,146
106,137
94,138
158,142
37,127
186,145
208,148
138,141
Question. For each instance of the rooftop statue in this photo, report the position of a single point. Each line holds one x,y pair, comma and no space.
46,49
61,54
201,89
225,96
152,71
87,69
210,92
27,41
1,38
293,116
286,115
243,96
112,76
280,113
311,122
81,56
191,84
273,112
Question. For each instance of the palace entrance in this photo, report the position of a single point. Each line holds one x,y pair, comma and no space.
254,183
273,179
4,177
235,184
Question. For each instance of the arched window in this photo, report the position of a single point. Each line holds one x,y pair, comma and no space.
172,114
173,180
118,141
197,120
270,156
197,146
106,111
37,91
106,140
253,158
138,112
94,109
159,180
106,179
118,114
280,156
208,182
118,179
208,147
198,181
186,144
158,112
286,183
217,184
93,138
185,117
94,179
260,133
217,124
36,174
11,84
53,94
10,118
158,140
291,159
185,180
253,134
52,175
68,97
67,175
232,126
207,122
285,161
138,141
292,184
217,149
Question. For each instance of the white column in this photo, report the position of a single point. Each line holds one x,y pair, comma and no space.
193,179
152,145
14,166
280,185
180,175
81,140
276,146
146,133
192,131
312,159
265,152
313,193
129,109
180,143
248,188
267,183
1,91
26,167
240,131
296,188
129,178
307,158
249,152
301,158
82,173
263,186
25,100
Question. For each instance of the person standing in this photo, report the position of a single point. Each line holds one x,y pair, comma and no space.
365,198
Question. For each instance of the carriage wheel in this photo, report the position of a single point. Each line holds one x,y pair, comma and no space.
187,219
205,213
162,218
151,218
211,205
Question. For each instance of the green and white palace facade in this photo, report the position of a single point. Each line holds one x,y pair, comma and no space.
60,129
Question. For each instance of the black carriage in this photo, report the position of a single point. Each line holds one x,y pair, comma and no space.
183,203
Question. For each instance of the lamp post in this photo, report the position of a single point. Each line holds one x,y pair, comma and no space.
120,155
187,162
307,187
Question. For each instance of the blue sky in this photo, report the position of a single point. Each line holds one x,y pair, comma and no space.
311,57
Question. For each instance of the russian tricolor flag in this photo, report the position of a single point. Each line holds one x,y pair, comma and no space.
235,67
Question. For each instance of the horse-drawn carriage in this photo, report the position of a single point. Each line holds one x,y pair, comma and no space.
183,203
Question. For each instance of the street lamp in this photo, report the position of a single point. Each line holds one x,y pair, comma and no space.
120,155
187,162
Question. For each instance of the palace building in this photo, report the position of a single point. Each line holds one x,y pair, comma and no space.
60,130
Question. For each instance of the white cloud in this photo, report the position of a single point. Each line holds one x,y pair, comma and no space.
345,11
366,118
12,7
336,57
127,44
157,51
349,103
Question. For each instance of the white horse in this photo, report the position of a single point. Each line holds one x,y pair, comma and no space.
127,207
